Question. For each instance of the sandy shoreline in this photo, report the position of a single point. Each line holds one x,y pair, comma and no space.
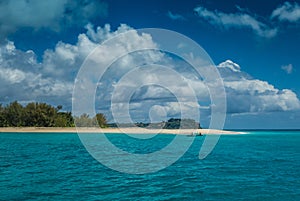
113,130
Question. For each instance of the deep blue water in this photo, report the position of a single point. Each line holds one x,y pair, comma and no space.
256,166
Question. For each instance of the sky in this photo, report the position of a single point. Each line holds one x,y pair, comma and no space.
254,46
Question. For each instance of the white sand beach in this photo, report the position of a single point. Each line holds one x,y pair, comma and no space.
135,130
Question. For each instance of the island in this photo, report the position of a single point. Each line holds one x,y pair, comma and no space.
37,117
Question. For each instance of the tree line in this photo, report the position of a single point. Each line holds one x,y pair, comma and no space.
36,114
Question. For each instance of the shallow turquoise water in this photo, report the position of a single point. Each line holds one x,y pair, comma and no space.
257,166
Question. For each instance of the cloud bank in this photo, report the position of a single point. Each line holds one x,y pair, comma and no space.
23,78
249,95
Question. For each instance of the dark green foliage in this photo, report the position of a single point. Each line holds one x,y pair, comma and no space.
173,123
64,119
101,120
45,115
34,115
181,123
142,125
86,121
40,115
2,117
14,115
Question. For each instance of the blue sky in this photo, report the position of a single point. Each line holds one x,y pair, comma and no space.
42,50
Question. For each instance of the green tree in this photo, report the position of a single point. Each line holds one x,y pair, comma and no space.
174,123
31,115
2,118
64,119
47,115
101,119
35,114
85,121
40,115
13,114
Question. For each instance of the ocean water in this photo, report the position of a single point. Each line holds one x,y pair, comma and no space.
255,166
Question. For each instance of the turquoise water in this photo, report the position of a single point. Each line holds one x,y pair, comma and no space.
256,166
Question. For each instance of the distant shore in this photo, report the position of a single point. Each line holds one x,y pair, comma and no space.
113,130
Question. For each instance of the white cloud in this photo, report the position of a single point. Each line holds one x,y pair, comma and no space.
72,56
236,20
12,76
19,85
21,78
270,27
287,68
17,59
245,94
287,12
231,65
54,76
24,78
53,14
259,96
175,16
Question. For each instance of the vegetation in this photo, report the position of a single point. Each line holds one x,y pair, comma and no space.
181,123
34,115
43,115
85,121
173,123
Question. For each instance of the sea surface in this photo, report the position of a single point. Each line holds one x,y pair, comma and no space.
261,165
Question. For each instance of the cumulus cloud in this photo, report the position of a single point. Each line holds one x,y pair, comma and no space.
230,65
54,15
246,94
287,68
287,12
24,78
65,59
21,80
236,20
